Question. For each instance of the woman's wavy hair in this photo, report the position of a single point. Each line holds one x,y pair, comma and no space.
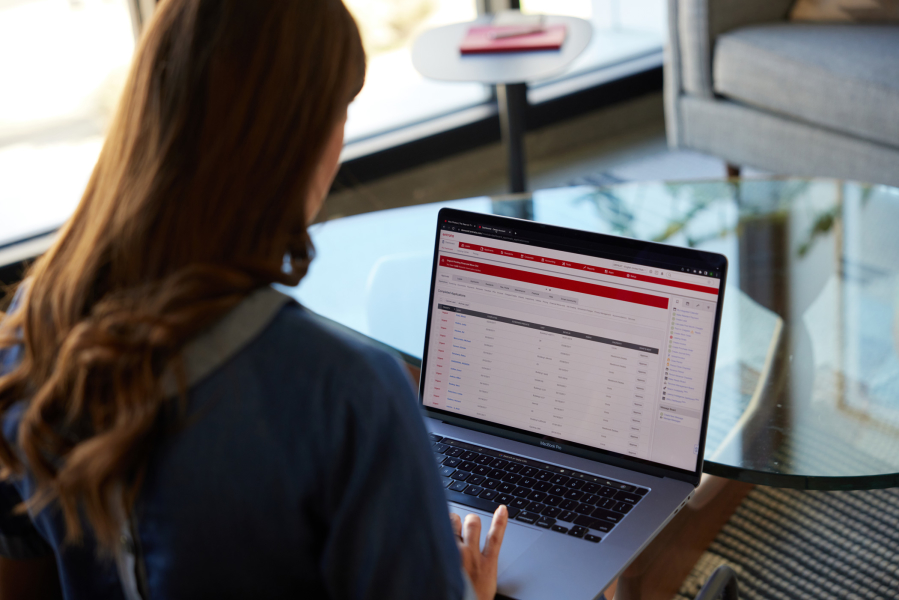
198,198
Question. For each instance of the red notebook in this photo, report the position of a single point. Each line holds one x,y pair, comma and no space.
481,40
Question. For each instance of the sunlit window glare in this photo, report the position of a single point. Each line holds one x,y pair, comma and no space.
62,67
63,64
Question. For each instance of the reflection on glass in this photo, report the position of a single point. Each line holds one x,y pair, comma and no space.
852,322
62,68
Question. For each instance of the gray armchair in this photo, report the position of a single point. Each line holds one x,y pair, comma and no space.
745,84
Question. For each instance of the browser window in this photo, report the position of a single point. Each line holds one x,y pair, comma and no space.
609,354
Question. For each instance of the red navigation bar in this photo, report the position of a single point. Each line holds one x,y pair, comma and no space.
581,267
556,282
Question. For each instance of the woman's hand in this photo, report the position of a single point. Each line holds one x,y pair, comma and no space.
481,566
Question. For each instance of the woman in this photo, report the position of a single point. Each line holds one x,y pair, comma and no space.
174,426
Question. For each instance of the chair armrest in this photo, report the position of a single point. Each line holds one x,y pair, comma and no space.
693,26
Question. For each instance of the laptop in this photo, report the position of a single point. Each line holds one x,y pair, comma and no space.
567,375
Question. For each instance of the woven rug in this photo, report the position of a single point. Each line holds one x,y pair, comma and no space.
787,544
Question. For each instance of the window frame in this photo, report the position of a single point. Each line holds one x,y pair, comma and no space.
436,138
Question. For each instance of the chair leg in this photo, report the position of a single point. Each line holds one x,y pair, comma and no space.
733,171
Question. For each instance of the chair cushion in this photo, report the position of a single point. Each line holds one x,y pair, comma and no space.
842,77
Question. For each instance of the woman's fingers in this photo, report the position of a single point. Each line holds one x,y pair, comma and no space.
472,531
456,522
496,533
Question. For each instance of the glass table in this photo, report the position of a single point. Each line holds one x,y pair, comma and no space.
806,391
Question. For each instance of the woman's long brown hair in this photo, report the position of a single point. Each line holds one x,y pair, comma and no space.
197,199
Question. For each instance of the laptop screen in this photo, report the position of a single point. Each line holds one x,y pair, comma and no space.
571,340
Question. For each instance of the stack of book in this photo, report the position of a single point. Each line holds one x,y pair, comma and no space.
511,31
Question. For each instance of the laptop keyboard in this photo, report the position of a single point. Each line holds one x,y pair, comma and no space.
565,501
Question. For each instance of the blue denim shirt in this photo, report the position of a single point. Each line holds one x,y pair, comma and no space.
303,470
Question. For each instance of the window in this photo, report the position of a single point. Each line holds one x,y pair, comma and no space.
395,95
628,38
62,68
63,64
623,31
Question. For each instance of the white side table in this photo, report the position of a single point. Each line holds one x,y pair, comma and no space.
436,55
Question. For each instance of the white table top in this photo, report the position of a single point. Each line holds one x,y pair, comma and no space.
435,54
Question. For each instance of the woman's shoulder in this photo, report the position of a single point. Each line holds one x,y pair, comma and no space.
296,325
276,338
328,348
298,385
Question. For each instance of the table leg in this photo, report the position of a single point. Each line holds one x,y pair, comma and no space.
513,100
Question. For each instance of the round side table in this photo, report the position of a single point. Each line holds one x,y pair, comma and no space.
436,55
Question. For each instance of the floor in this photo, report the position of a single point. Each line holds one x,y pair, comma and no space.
624,142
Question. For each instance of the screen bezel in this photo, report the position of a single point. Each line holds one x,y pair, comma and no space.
601,246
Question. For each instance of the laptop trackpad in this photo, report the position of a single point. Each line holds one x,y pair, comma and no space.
518,537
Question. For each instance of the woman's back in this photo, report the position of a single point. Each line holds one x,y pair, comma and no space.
299,468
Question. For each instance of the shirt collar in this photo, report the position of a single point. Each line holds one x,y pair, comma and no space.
216,345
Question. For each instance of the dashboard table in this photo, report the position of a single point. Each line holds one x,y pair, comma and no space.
618,374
